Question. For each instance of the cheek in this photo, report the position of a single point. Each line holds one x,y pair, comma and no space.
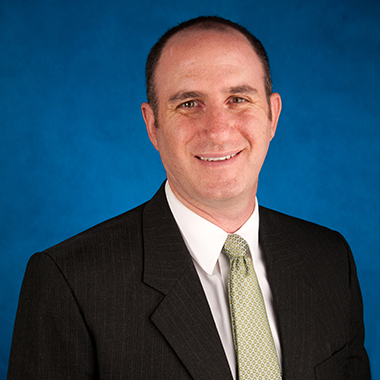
257,129
182,135
171,144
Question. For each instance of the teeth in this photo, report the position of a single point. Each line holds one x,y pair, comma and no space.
213,159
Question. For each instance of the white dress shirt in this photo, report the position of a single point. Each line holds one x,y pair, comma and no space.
204,241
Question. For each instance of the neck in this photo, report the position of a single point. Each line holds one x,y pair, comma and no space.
227,215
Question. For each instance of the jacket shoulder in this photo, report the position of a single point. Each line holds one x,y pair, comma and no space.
316,249
296,227
104,234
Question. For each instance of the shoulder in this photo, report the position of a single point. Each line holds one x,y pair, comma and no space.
316,250
109,233
98,251
114,244
296,228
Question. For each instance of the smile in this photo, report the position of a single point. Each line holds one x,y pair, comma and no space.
222,158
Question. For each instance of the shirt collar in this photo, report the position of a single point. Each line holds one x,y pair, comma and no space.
204,239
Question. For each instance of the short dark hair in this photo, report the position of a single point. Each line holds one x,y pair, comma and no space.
206,23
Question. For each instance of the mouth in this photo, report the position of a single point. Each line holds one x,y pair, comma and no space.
220,158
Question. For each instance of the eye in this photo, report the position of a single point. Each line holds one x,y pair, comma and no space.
189,104
236,99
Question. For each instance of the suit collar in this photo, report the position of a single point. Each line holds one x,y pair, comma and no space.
165,253
280,249
293,295
183,316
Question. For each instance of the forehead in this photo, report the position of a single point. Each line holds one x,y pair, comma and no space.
226,41
197,53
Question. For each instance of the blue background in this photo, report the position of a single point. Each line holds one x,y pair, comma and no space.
74,150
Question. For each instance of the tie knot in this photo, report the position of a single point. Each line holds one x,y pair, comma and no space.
235,246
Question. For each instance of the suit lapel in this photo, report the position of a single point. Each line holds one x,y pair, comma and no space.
292,295
183,317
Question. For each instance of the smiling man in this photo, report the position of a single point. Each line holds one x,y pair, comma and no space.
212,125
199,282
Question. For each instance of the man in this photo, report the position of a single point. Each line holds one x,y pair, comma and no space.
146,295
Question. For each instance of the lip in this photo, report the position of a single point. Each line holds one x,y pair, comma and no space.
217,157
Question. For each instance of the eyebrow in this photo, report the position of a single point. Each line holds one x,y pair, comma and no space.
183,95
244,89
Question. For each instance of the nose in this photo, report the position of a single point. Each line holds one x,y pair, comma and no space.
218,123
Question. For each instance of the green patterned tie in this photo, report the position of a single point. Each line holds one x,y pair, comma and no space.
255,350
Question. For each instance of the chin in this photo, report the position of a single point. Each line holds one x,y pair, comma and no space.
228,191
221,193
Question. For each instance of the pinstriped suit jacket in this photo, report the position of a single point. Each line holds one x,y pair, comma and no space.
122,300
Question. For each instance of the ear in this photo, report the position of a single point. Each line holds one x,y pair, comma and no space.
150,123
276,105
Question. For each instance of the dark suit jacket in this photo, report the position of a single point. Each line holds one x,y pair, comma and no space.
123,301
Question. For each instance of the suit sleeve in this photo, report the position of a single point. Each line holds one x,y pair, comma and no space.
357,366
51,339
351,362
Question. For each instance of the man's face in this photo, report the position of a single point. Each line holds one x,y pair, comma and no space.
212,128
